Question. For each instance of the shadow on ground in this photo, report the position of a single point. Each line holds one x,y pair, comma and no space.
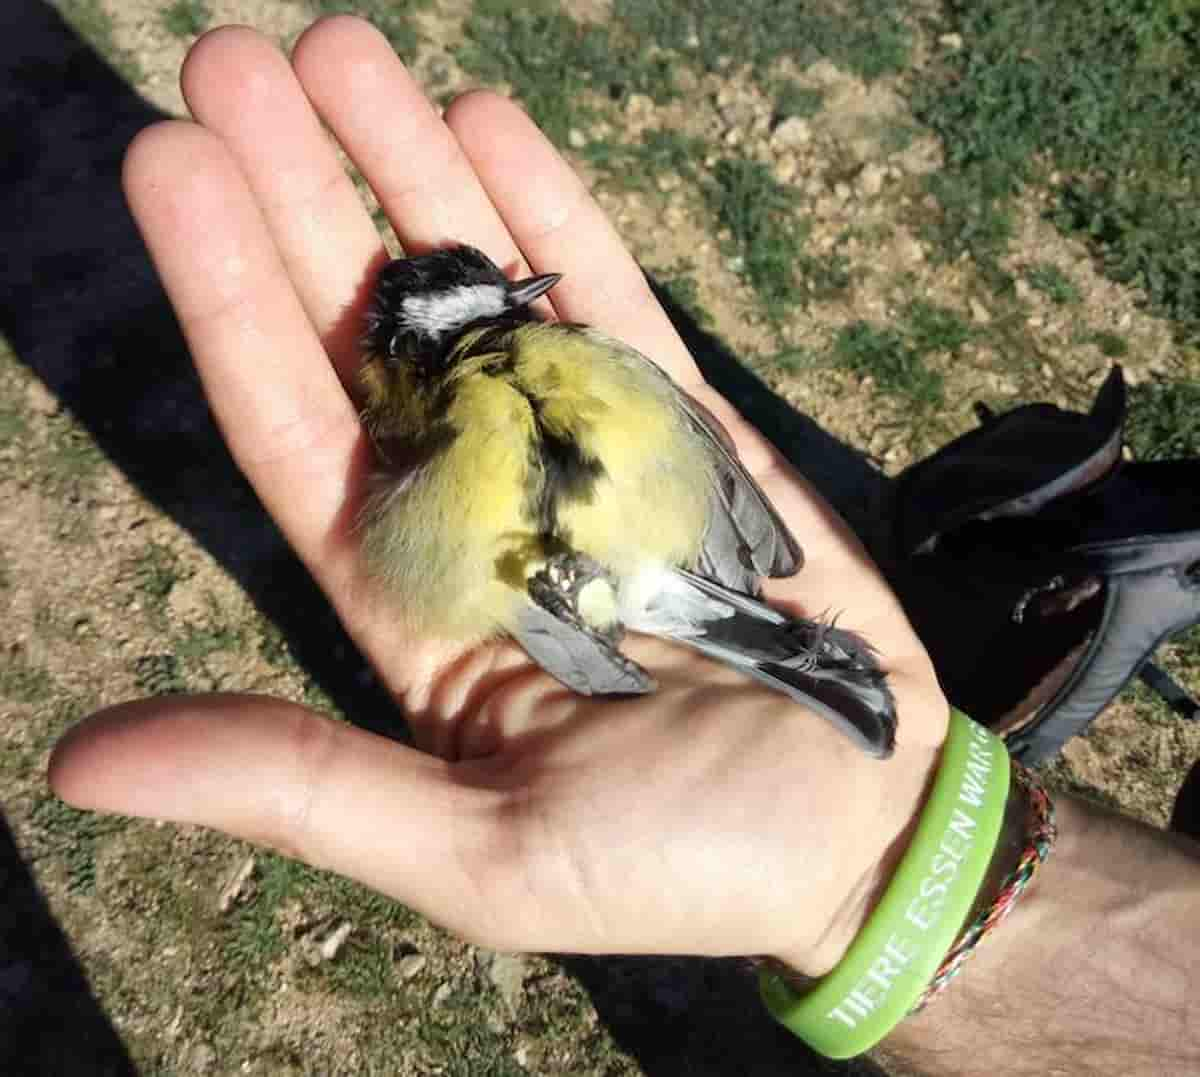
81,306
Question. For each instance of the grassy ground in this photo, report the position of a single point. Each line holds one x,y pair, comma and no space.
886,216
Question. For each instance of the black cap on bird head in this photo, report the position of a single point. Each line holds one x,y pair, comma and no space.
420,305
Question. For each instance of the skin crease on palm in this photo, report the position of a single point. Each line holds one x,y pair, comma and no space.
713,817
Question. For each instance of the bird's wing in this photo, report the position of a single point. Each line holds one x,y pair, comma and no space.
583,660
746,538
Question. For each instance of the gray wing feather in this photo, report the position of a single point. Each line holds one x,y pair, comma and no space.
583,661
746,538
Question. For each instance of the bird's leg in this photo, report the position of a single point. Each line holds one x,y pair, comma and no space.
580,591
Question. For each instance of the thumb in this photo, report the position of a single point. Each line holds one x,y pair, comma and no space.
278,774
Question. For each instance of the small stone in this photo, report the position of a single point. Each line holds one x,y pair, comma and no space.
912,250
410,965
639,107
335,941
507,973
786,167
576,138
732,137
953,42
980,313
441,994
40,400
201,1058
235,889
842,191
793,132
870,179
1023,290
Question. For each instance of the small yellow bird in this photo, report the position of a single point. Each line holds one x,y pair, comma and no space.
545,481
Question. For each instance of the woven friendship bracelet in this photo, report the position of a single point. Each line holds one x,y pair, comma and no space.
1040,839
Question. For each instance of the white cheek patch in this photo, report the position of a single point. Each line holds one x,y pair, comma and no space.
445,311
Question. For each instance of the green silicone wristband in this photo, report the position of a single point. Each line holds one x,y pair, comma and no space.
920,914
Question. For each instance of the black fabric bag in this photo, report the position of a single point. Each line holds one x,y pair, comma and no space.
1041,569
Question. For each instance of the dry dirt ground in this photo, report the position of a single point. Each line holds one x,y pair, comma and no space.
211,959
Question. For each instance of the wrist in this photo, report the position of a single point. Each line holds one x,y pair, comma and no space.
891,963
897,817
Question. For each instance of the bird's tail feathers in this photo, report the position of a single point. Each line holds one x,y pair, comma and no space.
828,669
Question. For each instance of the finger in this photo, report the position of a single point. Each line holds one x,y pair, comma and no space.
241,87
277,774
291,428
386,124
560,228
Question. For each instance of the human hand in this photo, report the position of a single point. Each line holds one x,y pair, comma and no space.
712,817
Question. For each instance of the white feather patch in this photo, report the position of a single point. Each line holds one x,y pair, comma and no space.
660,602
445,311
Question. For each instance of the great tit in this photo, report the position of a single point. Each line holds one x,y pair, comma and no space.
547,481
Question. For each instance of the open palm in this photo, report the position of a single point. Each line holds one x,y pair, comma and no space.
711,817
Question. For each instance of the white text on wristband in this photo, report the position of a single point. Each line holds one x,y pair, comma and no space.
897,952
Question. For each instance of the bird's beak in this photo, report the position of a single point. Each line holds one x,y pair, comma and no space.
523,292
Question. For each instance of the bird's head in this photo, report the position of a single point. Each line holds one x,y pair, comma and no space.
420,305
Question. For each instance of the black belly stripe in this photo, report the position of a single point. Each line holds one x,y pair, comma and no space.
568,474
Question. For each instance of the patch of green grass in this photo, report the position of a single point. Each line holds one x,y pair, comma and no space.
198,641
1112,345
885,355
364,968
466,1048
159,675
866,38
933,328
635,166
1103,91
13,425
1053,283
972,217
273,646
679,282
187,18
70,458
822,276
156,571
759,212
22,682
72,836
552,61
390,17
95,26
1164,420
791,99
252,935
